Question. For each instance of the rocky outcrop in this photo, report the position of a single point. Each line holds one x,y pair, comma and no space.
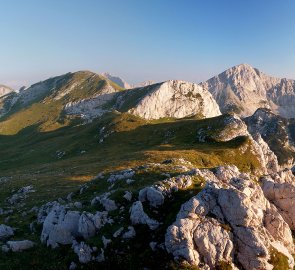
83,251
156,194
230,218
280,190
5,232
267,158
277,132
138,216
20,195
18,246
228,127
60,227
168,99
243,89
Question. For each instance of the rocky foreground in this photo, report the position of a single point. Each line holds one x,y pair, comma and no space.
226,219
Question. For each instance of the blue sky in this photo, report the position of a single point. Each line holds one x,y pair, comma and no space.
144,39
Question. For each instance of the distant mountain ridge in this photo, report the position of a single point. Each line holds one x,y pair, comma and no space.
124,84
4,90
243,89
86,95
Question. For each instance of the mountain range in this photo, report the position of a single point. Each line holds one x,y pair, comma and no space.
97,173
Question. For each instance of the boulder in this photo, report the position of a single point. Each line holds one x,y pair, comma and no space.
138,216
152,195
5,232
16,246
86,226
83,251
60,227
230,218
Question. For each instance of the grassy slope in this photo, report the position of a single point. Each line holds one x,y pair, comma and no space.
30,158
45,110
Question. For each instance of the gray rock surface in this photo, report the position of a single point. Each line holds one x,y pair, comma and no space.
17,246
229,218
243,89
60,227
86,226
83,251
280,190
138,216
168,99
5,232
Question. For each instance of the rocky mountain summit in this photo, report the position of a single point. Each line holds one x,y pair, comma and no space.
243,89
176,99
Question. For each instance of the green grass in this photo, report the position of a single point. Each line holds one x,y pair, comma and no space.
29,158
278,260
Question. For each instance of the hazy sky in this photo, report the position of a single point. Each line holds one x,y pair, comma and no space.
144,39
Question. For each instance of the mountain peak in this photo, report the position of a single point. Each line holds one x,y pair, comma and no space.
243,69
116,80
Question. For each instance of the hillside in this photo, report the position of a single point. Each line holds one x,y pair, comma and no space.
56,102
96,176
243,89
56,163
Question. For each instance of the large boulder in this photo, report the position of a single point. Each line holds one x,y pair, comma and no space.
60,227
230,218
17,246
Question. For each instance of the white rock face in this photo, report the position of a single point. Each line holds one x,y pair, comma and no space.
4,90
268,159
170,99
229,218
280,190
91,107
243,89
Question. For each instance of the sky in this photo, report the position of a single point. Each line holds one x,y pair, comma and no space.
141,40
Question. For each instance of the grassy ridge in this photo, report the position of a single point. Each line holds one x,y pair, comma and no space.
31,157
